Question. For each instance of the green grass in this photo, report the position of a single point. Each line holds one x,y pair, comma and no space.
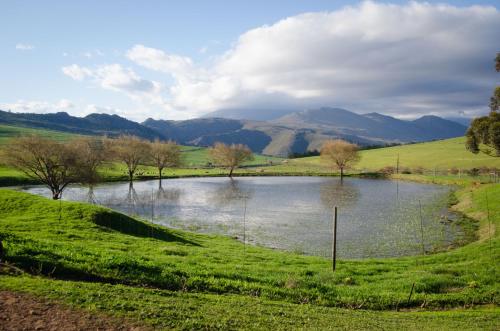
8,132
199,157
442,154
94,244
195,311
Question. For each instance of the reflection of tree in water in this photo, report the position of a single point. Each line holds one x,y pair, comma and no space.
91,198
228,193
132,200
340,193
144,203
167,195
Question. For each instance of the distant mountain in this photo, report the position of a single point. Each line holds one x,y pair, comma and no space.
249,114
437,126
291,133
372,126
207,131
460,120
93,124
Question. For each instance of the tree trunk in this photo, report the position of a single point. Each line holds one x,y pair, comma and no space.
130,176
341,173
56,194
231,172
160,170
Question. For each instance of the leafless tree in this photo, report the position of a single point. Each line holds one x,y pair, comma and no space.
165,155
51,162
90,154
230,156
130,150
340,154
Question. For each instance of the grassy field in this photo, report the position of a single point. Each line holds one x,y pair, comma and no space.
8,132
171,278
442,155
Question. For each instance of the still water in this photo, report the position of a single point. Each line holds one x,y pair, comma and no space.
377,218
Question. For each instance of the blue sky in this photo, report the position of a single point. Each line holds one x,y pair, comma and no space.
38,39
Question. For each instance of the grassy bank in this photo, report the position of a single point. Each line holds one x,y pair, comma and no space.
72,254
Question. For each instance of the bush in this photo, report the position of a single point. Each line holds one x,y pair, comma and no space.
474,172
419,170
387,170
406,171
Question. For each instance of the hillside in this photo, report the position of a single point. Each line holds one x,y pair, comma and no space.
93,124
8,132
442,155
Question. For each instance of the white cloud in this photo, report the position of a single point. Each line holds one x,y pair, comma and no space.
158,60
416,58
76,72
40,107
24,47
117,78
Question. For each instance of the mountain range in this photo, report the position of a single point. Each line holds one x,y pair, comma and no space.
291,133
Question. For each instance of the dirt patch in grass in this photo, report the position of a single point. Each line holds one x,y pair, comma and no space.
25,312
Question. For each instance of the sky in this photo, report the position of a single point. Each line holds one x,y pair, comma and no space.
185,59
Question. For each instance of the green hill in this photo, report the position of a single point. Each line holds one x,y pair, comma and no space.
8,132
441,154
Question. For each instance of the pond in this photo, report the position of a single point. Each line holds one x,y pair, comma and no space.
376,218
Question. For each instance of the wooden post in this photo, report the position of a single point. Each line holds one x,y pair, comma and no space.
334,246
489,222
152,205
397,165
245,225
421,228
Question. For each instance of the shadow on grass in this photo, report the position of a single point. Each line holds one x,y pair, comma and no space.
133,227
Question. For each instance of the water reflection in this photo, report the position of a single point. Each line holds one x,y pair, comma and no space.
169,195
91,198
340,193
376,217
229,192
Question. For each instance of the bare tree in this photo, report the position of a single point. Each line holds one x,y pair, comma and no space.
90,154
340,154
165,155
230,156
130,150
51,162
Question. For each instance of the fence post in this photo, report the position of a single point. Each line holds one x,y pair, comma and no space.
421,228
334,245
397,165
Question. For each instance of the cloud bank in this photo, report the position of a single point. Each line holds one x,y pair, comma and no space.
402,60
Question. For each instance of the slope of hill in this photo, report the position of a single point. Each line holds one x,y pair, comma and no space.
8,132
93,124
441,155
